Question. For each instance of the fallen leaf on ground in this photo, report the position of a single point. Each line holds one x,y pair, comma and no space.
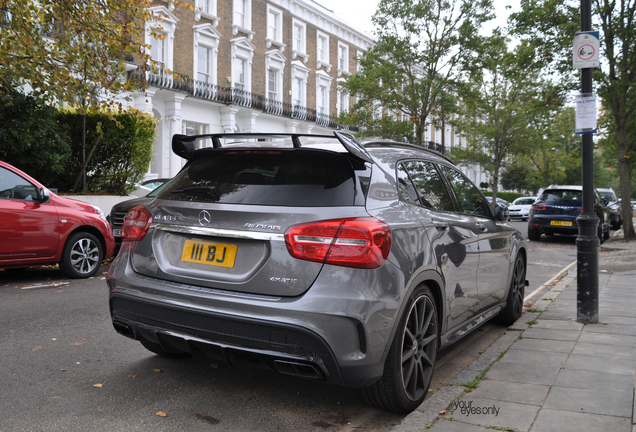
162,414
442,412
156,370
54,339
37,348
214,366
64,370
76,343
132,376
98,385
83,339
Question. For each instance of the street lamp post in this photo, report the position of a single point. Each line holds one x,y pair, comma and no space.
587,242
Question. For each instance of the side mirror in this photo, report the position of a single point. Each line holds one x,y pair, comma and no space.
43,194
501,213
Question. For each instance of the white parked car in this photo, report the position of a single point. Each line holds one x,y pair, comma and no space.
520,208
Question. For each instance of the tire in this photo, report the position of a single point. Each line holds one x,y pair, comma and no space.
82,255
514,301
409,365
157,349
534,234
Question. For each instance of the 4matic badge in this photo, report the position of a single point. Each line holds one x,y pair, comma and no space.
262,226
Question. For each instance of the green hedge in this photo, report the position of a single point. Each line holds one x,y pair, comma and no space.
122,154
47,144
32,139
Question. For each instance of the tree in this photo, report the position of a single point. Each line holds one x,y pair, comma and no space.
74,51
550,25
496,108
422,48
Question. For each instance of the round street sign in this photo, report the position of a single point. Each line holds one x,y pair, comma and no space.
586,47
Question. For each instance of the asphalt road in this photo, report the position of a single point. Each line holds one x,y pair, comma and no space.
63,368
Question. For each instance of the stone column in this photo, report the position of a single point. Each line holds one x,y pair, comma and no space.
228,118
174,120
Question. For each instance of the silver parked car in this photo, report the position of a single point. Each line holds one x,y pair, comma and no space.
317,257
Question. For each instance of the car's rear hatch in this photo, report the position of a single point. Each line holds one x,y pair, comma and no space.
220,223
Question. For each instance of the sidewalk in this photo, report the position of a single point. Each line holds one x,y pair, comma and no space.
549,372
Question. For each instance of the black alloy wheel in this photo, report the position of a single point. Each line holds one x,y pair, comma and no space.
411,359
514,303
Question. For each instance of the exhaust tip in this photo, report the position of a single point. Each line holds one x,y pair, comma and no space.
123,330
300,370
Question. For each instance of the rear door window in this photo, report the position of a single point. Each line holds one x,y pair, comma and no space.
300,178
427,187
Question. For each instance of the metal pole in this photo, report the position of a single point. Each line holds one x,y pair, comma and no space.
587,242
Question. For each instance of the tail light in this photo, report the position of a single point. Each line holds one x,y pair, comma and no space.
357,242
537,207
136,224
597,208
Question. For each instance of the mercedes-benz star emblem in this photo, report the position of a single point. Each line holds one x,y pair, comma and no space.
204,218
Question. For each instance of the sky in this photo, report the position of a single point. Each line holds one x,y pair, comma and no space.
358,12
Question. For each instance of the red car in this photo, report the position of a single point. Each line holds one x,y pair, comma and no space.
39,227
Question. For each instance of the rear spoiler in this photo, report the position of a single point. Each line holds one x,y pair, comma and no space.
185,145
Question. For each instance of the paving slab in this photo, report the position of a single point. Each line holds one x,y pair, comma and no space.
607,339
609,319
608,403
530,394
619,329
597,350
544,345
523,373
550,420
546,359
558,325
569,315
601,364
541,333
583,379
453,426
494,413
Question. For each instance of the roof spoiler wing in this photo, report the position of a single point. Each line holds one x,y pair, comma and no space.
185,145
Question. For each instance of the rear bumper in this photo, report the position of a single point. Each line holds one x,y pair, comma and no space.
338,339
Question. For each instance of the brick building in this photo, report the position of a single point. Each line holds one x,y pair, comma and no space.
246,66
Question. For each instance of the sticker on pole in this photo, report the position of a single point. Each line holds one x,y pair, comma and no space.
586,47
585,105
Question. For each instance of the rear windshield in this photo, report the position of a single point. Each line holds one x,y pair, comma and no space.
296,178
524,201
609,195
561,195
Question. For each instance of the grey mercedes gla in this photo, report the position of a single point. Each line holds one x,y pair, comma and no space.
318,257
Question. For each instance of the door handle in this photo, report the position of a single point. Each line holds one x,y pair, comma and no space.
440,225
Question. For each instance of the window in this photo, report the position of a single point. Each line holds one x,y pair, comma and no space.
322,100
358,58
206,41
240,8
274,24
472,202
298,92
427,188
299,76
323,84
158,49
323,50
239,73
242,17
299,40
163,24
207,6
272,84
203,64
343,58
242,53
12,186
343,102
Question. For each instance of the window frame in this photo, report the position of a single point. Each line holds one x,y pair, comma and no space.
343,63
322,62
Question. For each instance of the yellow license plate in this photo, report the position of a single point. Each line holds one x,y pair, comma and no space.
216,254
561,223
